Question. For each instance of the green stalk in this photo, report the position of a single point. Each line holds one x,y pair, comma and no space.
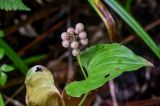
1,100
83,99
85,76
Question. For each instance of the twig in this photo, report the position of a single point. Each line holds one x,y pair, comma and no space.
147,28
15,94
38,15
40,38
146,102
14,102
13,82
113,95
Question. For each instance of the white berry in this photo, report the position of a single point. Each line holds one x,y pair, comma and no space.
64,36
79,27
74,45
75,52
70,31
82,35
84,41
65,43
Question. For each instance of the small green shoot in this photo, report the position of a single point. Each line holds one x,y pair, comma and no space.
3,76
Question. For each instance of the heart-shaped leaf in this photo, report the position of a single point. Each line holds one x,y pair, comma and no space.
104,62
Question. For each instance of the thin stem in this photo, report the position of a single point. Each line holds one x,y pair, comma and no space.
85,76
113,95
79,61
83,99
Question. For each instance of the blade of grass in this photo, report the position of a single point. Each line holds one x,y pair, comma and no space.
13,57
1,100
32,59
134,25
1,33
128,5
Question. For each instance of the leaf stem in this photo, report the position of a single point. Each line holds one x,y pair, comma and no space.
83,99
79,61
85,76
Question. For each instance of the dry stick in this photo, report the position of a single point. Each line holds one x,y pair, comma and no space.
14,102
113,94
15,94
40,38
147,28
146,102
36,16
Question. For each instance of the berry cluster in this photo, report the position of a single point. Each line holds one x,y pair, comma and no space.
73,37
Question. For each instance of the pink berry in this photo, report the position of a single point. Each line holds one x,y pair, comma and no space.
76,31
84,41
64,36
74,45
70,31
79,27
65,43
75,52
82,35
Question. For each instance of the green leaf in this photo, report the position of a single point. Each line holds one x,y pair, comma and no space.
3,79
1,100
9,5
134,25
1,53
6,68
1,33
104,62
